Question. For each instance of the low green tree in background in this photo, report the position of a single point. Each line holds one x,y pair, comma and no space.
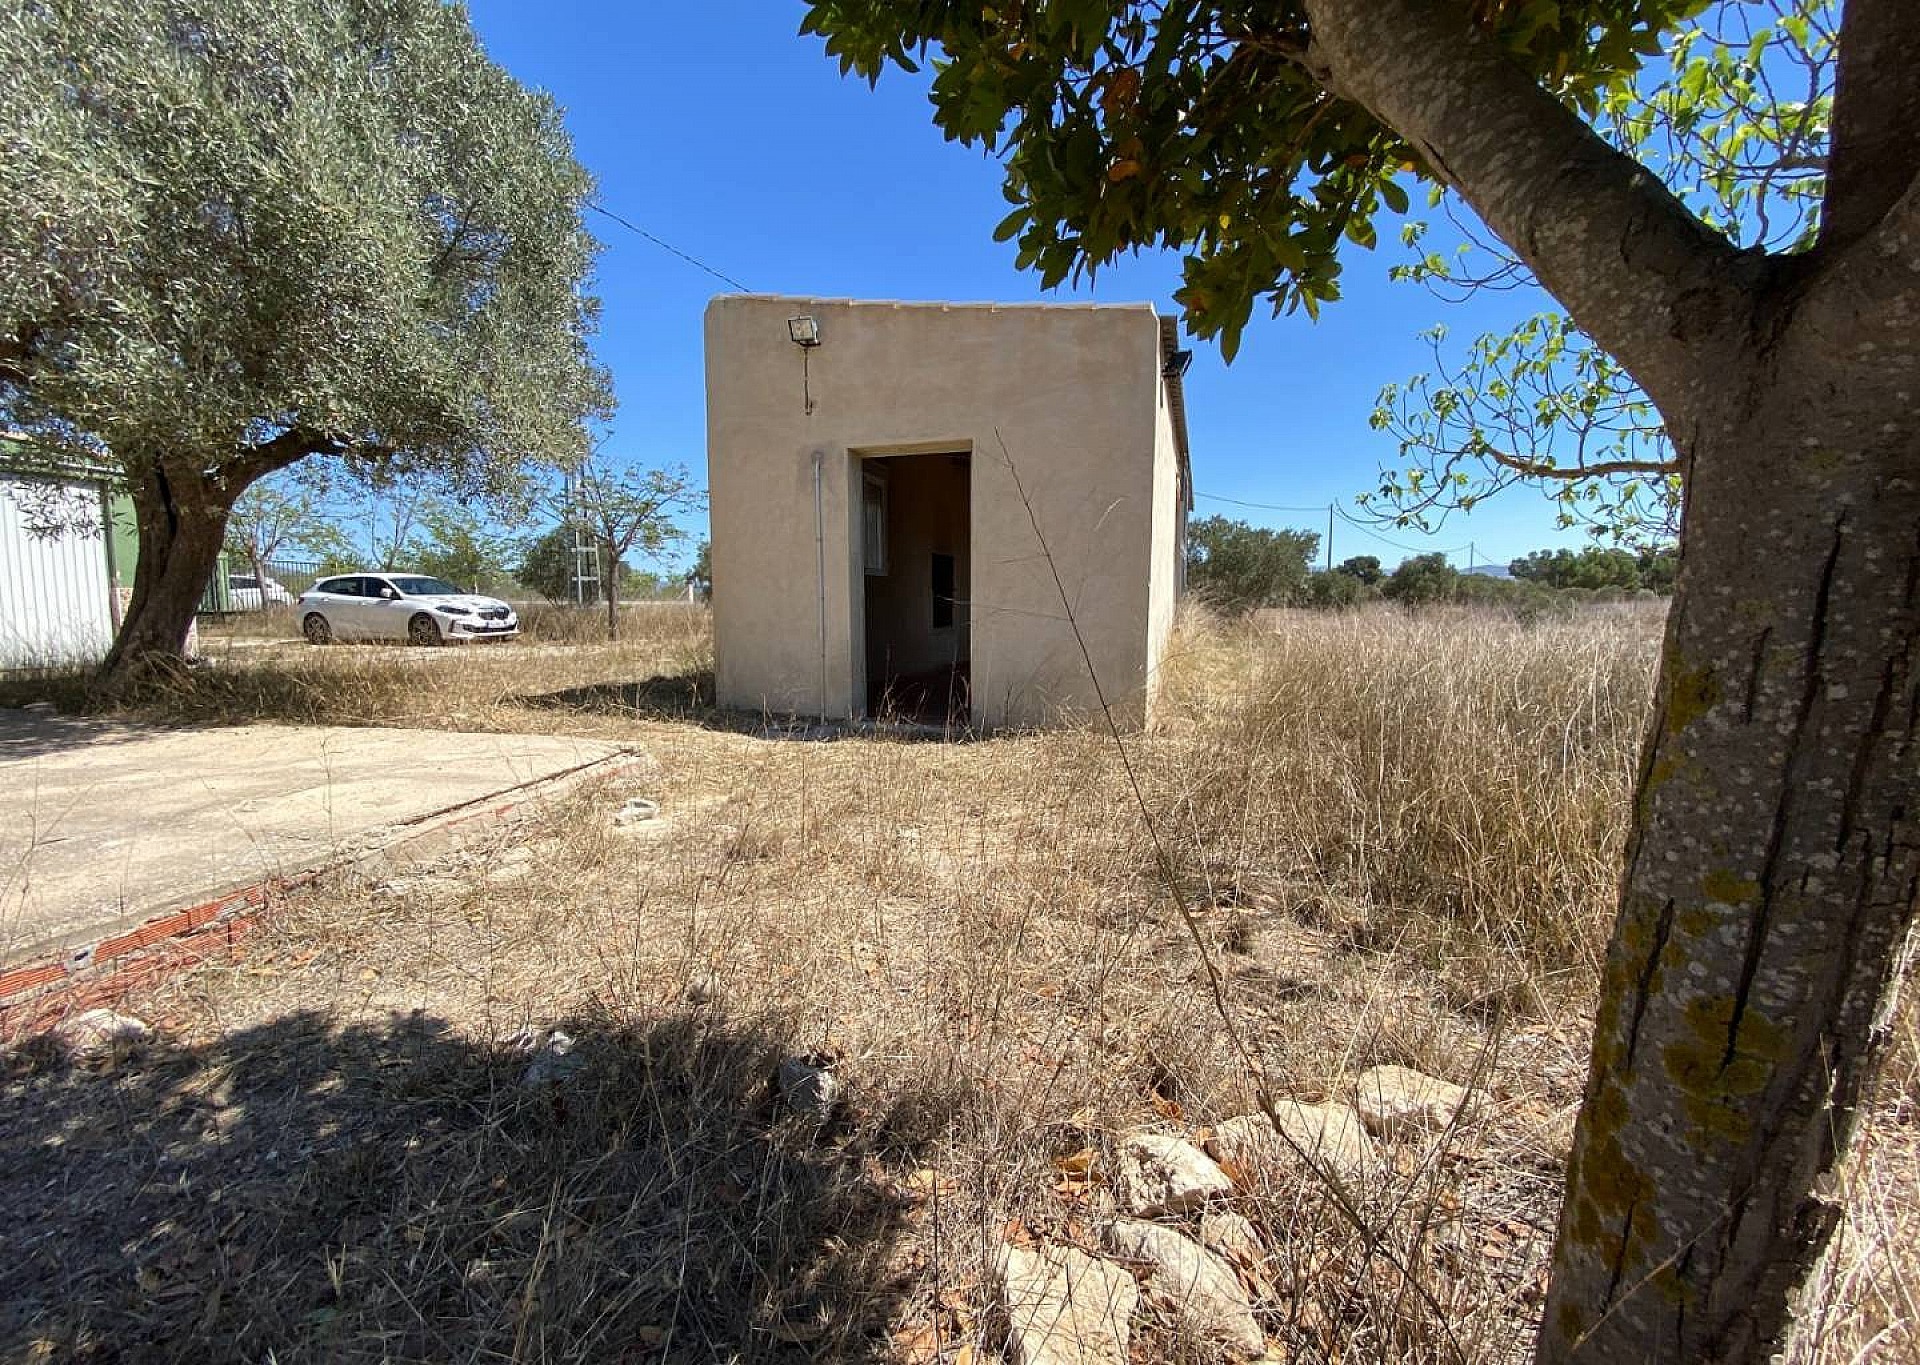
1362,568
457,544
1422,580
1336,590
624,509
1590,567
282,516
700,575
548,563
1237,567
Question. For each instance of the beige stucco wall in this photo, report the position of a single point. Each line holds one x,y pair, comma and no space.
1074,394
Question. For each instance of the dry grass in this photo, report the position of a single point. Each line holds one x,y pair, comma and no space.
1400,833
561,670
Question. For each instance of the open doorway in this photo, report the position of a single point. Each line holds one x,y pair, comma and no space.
916,552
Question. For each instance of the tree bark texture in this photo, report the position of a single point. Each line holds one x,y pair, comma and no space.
613,592
1774,865
182,525
1773,868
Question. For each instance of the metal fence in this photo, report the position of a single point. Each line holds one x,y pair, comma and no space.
236,587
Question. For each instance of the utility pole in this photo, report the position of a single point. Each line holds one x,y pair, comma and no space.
1469,556
1329,537
586,554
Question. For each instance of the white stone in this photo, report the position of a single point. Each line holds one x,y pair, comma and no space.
809,1087
1197,1288
1160,1173
638,810
1231,1235
1064,1307
98,1032
509,865
1331,1134
1395,1099
553,1061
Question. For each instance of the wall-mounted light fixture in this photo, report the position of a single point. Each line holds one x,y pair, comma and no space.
805,332
1177,364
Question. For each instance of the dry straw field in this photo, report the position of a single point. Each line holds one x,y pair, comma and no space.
1395,838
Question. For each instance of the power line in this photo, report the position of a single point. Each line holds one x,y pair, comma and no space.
1361,527
1364,530
1263,506
694,261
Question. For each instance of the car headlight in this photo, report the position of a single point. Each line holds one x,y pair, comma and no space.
454,611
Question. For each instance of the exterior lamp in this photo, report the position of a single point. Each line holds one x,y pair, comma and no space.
805,331
1176,365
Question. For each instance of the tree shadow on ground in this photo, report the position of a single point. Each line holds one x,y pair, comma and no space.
681,696
303,1190
689,697
30,734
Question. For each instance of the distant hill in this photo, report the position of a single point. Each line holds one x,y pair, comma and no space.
1490,571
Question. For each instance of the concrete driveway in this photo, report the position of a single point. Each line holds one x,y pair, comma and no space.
103,826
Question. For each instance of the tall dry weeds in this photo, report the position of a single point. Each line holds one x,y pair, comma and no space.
1460,778
1400,834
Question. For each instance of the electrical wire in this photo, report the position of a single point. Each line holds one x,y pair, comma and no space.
1361,527
694,261
1365,530
1263,506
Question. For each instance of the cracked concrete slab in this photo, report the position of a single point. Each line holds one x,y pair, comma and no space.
104,825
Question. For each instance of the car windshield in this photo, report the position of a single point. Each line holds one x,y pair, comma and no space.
425,587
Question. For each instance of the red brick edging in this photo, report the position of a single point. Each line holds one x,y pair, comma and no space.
196,933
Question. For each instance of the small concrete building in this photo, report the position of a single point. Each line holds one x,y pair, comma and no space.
901,493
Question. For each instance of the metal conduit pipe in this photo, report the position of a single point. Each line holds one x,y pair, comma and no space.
820,567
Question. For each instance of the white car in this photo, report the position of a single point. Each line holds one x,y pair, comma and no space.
400,606
245,592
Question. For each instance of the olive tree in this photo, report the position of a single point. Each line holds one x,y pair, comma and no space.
1774,860
242,233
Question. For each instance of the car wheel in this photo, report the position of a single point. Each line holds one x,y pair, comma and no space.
316,629
422,631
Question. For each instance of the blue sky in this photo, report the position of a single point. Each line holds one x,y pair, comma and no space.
715,127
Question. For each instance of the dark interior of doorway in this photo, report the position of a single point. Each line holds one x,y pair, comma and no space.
916,547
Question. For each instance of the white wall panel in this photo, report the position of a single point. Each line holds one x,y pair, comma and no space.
55,597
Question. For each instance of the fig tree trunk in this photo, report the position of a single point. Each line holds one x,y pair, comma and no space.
1773,869
182,521
613,590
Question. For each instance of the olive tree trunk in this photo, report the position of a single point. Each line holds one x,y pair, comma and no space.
182,523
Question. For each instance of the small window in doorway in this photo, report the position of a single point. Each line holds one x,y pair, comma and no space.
942,592
873,523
